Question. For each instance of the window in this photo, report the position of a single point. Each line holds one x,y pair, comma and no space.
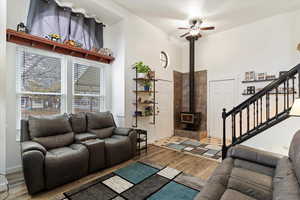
48,83
88,90
164,60
39,84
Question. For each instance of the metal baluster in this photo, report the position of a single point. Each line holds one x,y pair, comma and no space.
224,147
267,106
293,81
288,93
233,128
254,115
257,113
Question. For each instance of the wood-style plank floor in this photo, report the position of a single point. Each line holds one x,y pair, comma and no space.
196,166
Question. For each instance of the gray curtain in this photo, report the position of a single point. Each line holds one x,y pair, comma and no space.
47,17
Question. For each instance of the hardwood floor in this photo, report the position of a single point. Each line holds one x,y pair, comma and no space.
196,166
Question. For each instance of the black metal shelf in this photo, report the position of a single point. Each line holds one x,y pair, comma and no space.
138,92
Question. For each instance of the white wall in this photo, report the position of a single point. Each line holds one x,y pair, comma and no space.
268,45
114,38
144,42
3,68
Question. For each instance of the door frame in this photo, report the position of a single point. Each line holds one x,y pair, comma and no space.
209,102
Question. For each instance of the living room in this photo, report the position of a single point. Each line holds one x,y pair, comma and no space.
110,82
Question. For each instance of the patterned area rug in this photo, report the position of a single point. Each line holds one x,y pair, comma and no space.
139,181
194,147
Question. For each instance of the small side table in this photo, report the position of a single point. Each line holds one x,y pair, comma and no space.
142,141
4,193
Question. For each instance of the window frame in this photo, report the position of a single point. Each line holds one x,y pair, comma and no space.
67,90
102,83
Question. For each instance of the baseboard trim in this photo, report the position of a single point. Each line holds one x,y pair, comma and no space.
14,169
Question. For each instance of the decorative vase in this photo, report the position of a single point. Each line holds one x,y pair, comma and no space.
141,75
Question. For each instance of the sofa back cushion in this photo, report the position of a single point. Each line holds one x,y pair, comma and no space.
78,122
55,141
99,120
51,131
294,154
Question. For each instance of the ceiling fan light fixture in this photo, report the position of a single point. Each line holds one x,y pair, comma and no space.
194,32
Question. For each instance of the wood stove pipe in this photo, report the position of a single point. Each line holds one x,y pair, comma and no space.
192,40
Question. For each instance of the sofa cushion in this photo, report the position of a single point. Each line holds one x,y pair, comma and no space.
294,153
43,126
285,184
118,149
78,122
269,171
254,155
256,185
98,120
65,164
103,132
233,194
55,141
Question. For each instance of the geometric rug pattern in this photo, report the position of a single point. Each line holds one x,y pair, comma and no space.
195,147
139,181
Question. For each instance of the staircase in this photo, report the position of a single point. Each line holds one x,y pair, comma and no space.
264,109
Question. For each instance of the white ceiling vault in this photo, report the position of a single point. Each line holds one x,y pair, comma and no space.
223,14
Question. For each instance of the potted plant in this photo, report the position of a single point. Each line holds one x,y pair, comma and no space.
142,69
147,85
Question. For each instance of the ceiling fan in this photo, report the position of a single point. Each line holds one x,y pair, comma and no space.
195,28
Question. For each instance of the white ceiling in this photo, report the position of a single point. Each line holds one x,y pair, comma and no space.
223,14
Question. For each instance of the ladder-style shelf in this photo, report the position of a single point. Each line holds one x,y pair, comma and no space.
152,92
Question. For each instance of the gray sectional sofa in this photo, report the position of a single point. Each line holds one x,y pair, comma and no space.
61,148
249,174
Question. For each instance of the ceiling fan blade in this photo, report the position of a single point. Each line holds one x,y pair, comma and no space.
185,34
207,28
182,28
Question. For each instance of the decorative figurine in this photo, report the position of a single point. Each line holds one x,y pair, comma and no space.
73,43
22,28
54,37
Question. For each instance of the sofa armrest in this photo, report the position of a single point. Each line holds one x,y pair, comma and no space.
253,155
122,131
30,146
33,170
81,137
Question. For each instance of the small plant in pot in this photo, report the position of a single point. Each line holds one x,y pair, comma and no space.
142,69
147,85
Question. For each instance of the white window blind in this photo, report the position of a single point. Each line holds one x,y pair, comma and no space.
39,84
88,88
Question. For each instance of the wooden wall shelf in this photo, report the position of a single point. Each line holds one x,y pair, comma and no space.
45,44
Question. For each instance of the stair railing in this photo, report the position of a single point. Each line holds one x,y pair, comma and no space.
261,111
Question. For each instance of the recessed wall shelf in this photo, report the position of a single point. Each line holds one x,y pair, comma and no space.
45,44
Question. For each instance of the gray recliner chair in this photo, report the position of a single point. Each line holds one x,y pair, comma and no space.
250,174
116,139
88,142
48,150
